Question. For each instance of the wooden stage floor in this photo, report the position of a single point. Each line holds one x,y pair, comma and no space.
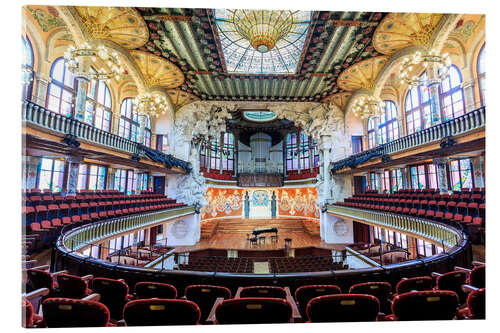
232,233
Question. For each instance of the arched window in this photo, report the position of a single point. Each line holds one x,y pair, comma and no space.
98,105
371,133
147,132
389,127
61,89
481,75
452,95
228,152
418,108
27,65
304,152
129,121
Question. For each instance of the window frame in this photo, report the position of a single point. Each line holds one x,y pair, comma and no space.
124,119
384,127
28,46
451,92
63,87
481,75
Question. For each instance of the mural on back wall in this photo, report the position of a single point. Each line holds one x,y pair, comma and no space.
295,202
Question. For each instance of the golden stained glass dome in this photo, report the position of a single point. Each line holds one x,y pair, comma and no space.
400,30
362,74
157,71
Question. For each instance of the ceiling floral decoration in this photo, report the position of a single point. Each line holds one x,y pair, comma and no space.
339,99
400,30
122,25
180,98
157,71
362,75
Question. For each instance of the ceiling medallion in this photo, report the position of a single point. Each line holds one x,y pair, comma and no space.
151,104
79,59
368,106
263,28
411,68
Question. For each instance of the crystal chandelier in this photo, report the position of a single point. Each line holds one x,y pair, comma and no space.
263,28
411,67
79,59
151,104
366,107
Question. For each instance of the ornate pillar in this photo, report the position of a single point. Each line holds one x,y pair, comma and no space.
442,178
142,128
376,122
311,155
378,179
468,88
235,162
434,97
30,170
478,168
221,151
40,92
81,96
405,181
298,152
110,179
284,153
115,122
137,175
73,164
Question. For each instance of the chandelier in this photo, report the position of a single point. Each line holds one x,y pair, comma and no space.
411,67
79,59
263,28
366,107
151,104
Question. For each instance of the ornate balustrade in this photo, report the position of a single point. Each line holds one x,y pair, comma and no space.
438,233
73,129
457,126
93,233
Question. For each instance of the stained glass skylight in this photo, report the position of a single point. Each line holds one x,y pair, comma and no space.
241,57
259,116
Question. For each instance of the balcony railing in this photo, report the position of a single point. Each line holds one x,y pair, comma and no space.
437,233
41,117
93,233
468,122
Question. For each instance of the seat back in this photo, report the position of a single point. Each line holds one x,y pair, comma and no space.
113,295
253,310
476,302
425,305
40,279
28,313
156,312
145,290
381,290
477,276
263,291
65,312
304,294
205,295
343,308
452,281
71,286
418,283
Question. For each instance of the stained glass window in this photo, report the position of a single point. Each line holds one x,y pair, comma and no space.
417,175
481,74
389,127
51,176
292,162
97,177
396,180
433,176
452,95
27,65
82,177
61,89
129,124
131,181
461,174
147,132
418,108
371,133
241,57
228,152
304,151
120,180
386,181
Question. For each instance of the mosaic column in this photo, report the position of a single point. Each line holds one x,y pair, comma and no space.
30,170
110,179
468,88
138,179
298,152
376,124
405,181
221,151
142,128
81,96
442,178
378,180
73,164
478,167
284,154
235,161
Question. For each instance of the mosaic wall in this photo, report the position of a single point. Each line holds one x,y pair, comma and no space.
296,202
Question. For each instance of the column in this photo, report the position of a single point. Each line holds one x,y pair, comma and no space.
110,179
376,122
311,155
81,96
404,175
284,153
73,164
440,164
115,122
468,88
478,168
137,175
235,162
221,150
432,72
142,128
40,92
298,152
378,179
30,171
326,147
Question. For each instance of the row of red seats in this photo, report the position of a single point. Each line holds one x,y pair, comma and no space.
157,304
79,198
467,197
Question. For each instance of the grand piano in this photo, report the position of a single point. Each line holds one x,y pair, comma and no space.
258,231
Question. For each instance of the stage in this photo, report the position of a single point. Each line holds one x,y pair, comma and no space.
231,234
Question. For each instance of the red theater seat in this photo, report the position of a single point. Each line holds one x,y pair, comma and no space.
72,286
114,294
157,312
476,305
418,283
381,290
304,294
343,308
425,305
253,310
65,312
263,291
205,296
155,290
